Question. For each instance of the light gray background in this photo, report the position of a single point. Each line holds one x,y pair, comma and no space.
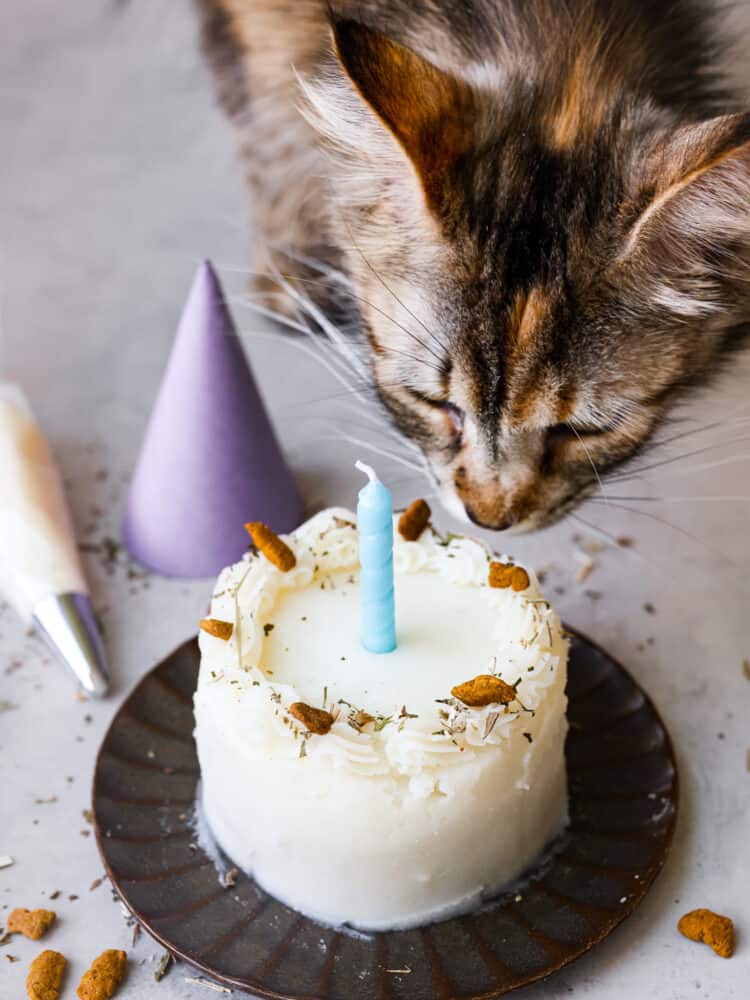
117,176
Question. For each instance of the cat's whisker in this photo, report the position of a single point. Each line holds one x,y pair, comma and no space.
364,387
343,358
682,531
393,438
412,357
708,466
298,327
314,263
306,349
394,484
359,298
626,475
379,277
718,498
608,537
330,329
361,443
591,461
333,358
728,421
383,426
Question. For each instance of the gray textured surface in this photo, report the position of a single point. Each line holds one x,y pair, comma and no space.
117,176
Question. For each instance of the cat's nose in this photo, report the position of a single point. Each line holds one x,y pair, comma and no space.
499,523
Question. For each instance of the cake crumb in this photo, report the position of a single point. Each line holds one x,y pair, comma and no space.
271,546
414,520
217,627
593,546
208,984
586,568
229,879
315,720
165,962
103,976
711,928
746,668
485,689
33,924
45,976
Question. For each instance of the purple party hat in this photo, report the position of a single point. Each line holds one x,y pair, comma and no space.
210,460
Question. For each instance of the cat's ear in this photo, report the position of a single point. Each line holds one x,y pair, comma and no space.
426,109
693,194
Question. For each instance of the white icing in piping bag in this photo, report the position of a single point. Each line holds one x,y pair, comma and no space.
40,572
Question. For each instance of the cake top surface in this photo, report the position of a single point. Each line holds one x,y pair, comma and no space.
295,638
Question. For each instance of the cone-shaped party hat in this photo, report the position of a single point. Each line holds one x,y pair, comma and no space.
210,460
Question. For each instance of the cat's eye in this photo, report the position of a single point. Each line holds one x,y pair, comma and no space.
574,432
456,416
423,397
454,413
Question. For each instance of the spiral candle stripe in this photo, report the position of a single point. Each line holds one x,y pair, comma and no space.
375,528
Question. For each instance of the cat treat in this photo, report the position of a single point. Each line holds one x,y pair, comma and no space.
103,976
32,924
222,630
271,546
414,520
711,928
45,976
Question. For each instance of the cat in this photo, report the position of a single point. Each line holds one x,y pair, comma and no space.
542,208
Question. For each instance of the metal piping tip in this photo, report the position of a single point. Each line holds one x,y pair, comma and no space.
68,624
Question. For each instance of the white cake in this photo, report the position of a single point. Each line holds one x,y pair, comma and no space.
413,805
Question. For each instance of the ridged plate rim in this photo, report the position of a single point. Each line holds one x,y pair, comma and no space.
564,953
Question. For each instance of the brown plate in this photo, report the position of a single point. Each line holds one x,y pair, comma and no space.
623,803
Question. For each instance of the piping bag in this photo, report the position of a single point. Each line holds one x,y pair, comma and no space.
40,572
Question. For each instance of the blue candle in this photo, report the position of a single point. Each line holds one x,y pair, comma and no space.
375,528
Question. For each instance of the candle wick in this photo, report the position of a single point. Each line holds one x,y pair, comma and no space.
367,469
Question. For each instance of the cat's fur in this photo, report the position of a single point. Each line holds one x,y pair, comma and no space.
543,207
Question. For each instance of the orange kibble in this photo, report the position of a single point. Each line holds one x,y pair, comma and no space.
500,575
315,720
215,626
272,547
486,689
103,976
31,923
711,928
414,520
45,976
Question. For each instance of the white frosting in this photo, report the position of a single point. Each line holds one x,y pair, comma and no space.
38,556
308,814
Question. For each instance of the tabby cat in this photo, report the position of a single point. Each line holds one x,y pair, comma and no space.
542,208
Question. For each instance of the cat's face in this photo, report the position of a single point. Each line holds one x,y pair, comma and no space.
537,285
522,373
